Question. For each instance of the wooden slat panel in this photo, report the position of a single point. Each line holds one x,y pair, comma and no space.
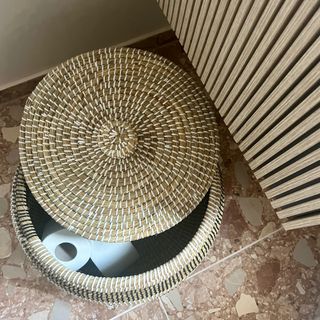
291,76
297,196
236,64
182,9
166,7
226,99
215,63
303,107
257,82
218,36
313,140
294,183
186,21
175,14
207,12
195,19
302,222
202,56
297,166
307,206
160,3
259,61
204,35
303,127
170,11
217,75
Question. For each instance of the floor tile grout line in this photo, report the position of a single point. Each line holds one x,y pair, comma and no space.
126,311
163,308
235,253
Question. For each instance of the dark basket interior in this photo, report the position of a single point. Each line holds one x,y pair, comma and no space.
153,251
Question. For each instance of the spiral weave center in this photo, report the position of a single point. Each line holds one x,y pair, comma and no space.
117,140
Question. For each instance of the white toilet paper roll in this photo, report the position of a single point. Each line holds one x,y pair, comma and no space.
69,249
112,258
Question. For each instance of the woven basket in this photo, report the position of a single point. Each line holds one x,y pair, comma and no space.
166,259
118,144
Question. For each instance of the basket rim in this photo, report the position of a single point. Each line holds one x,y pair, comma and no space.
142,287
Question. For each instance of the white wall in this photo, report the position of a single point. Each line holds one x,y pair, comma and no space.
38,34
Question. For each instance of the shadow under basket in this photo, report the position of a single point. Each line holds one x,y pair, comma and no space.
164,259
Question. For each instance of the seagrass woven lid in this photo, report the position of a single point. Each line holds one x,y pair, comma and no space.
118,144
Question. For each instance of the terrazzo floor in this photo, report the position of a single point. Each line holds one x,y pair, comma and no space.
255,270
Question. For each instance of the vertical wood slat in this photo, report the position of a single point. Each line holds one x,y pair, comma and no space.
198,31
226,98
297,196
186,21
298,149
311,55
244,47
307,206
166,7
176,13
302,222
268,65
307,161
304,126
247,29
218,32
170,11
210,19
259,61
280,109
235,24
294,183
193,24
181,17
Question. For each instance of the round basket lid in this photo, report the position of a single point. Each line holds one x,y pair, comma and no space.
118,144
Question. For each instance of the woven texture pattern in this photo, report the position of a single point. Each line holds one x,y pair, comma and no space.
127,289
118,144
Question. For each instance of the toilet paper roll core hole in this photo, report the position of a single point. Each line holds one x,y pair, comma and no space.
65,251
